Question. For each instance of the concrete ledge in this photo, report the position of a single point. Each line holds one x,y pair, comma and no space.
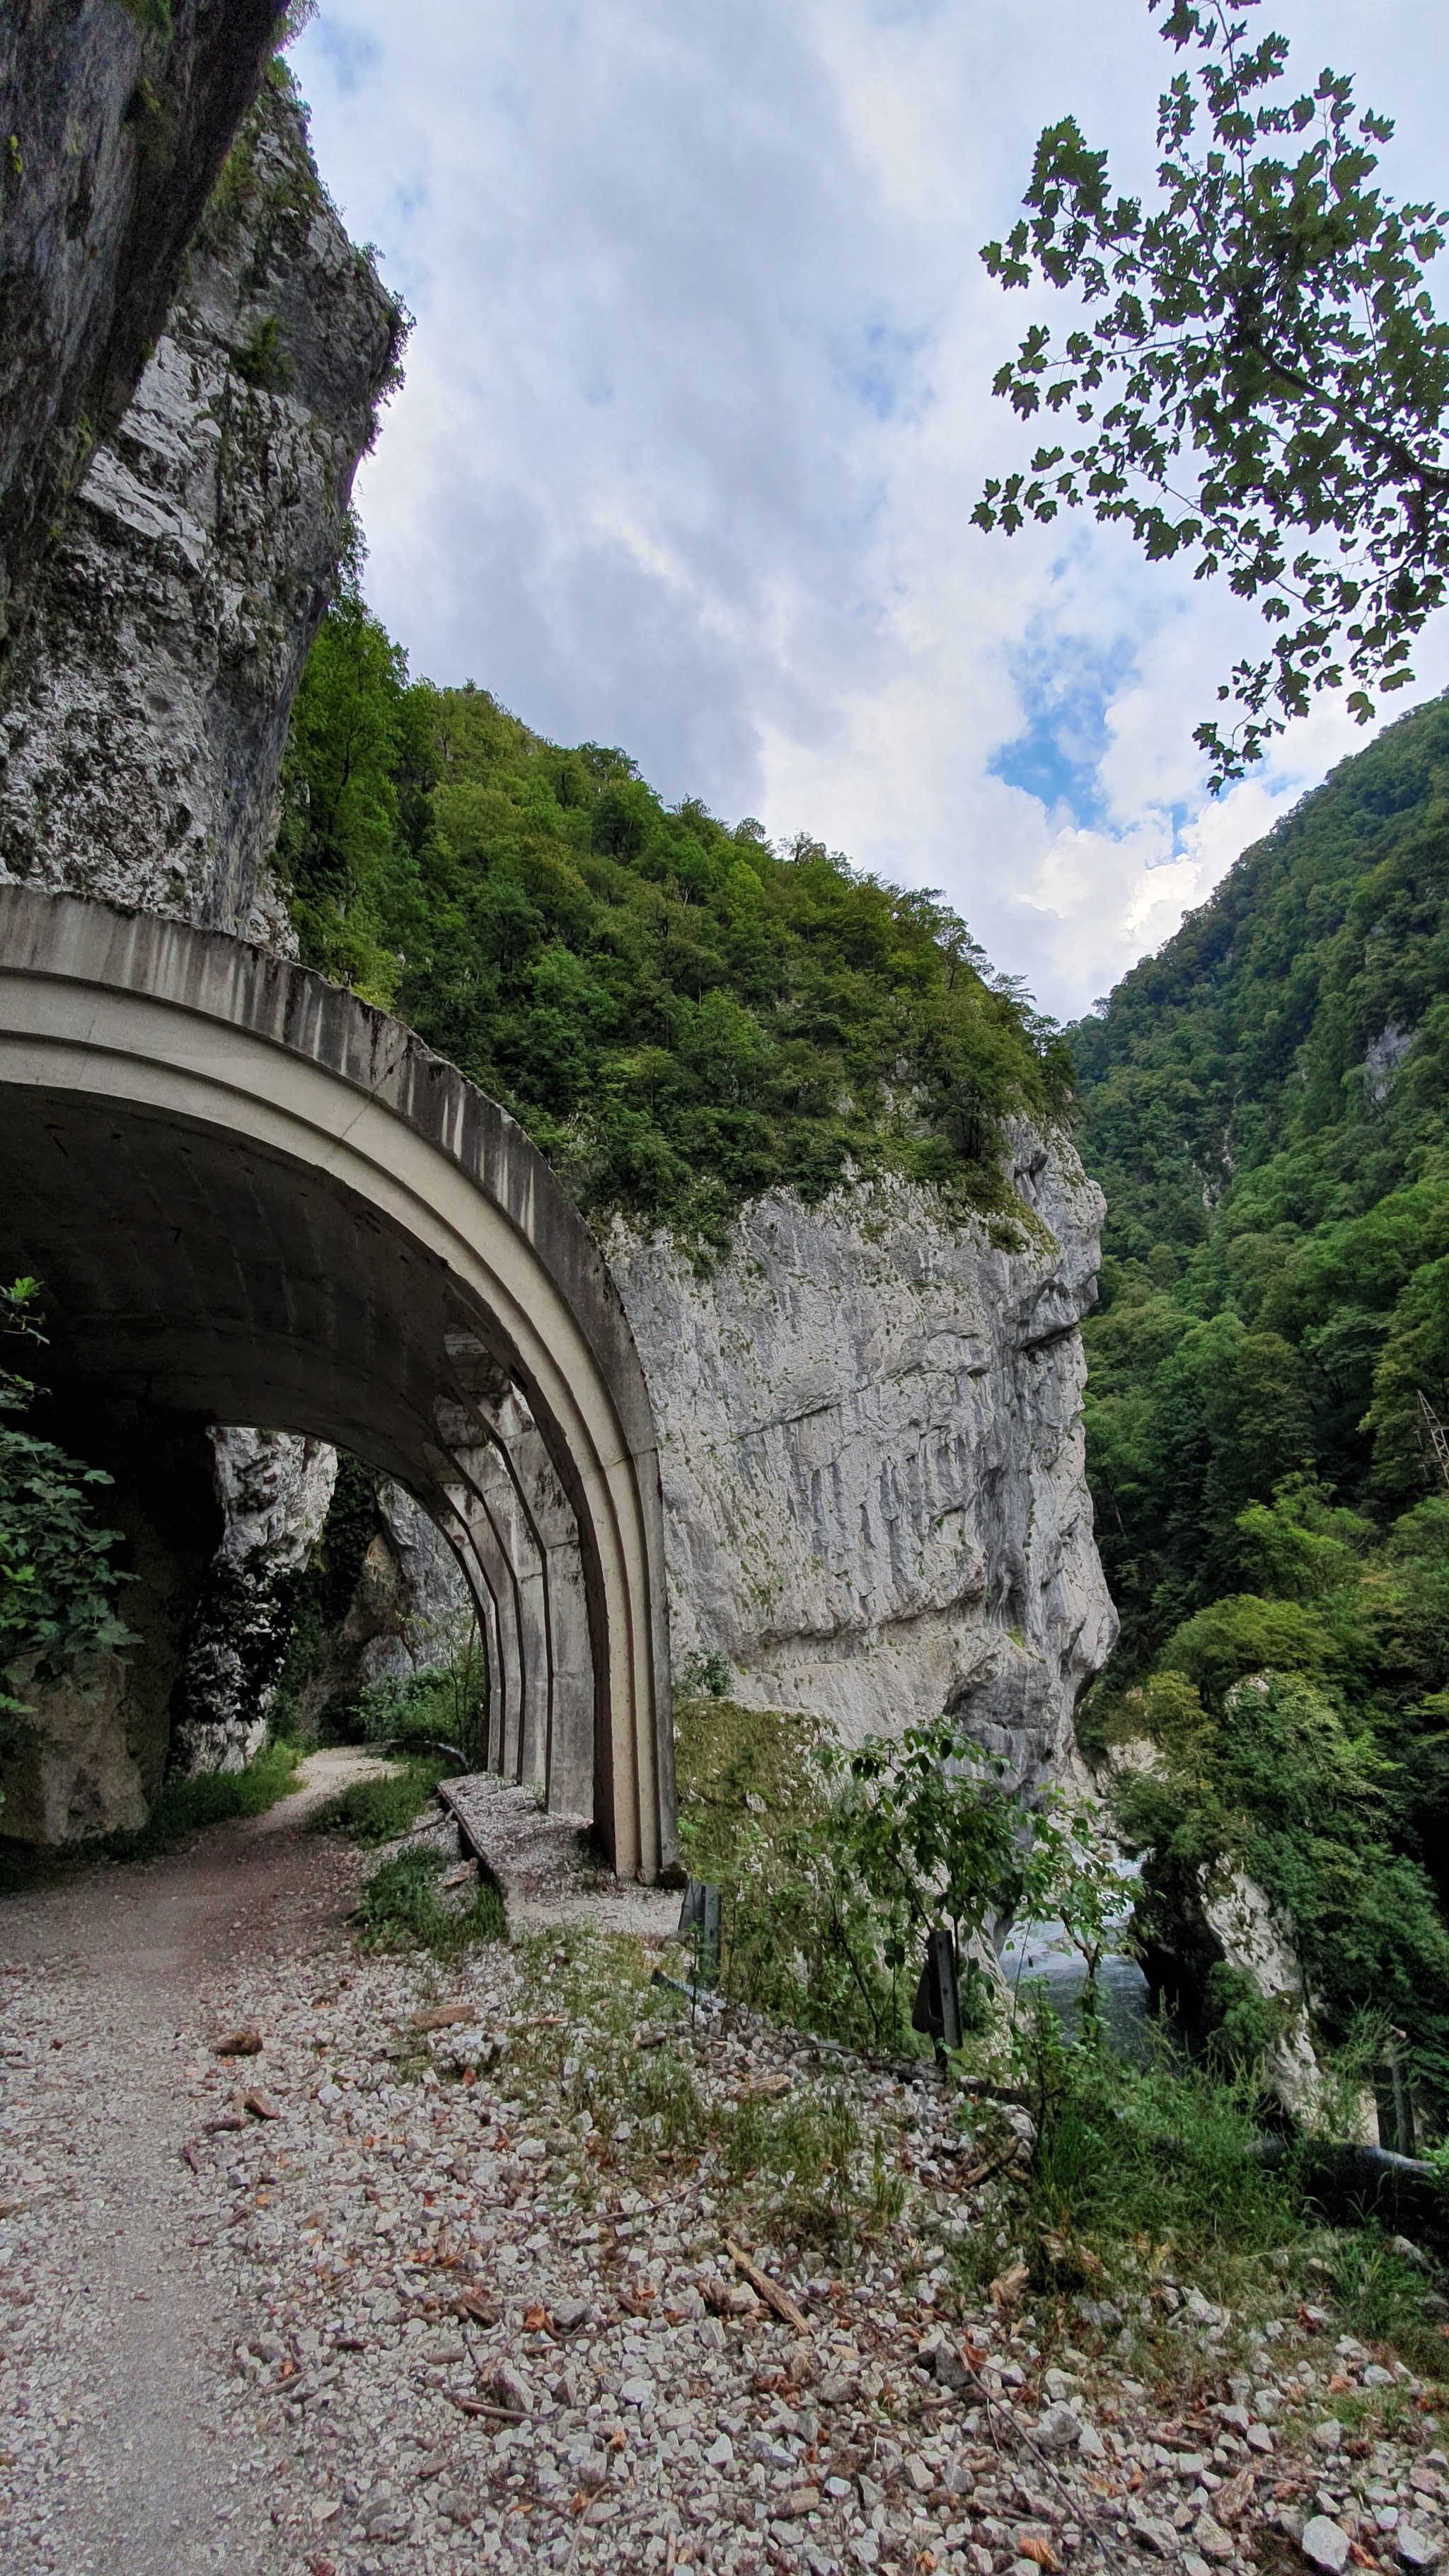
545,1870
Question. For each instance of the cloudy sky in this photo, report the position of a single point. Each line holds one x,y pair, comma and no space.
698,405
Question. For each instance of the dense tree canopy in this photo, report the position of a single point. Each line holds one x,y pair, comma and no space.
1264,1104
681,1015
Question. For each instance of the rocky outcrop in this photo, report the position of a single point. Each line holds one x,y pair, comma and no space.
149,701
115,117
870,1433
405,1606
412,1606
273,1488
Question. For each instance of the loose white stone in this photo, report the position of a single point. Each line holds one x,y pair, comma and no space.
1325,2545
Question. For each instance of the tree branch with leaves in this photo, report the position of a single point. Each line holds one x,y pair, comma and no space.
1260,382
57,1584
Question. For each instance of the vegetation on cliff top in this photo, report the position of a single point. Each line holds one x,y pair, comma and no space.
1264,1105
680,1015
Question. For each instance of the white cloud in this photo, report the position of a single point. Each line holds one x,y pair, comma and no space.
698,407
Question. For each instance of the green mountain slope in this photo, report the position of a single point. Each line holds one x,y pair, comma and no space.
1264,1105
681,1016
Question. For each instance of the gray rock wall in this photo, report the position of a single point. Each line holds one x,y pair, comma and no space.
870,1429
141,747
273,1489
114,120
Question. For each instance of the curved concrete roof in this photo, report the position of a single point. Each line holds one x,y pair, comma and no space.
251,1195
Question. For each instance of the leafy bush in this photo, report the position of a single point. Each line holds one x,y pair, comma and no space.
442,1704
1159,2155
57,1586
1279,1785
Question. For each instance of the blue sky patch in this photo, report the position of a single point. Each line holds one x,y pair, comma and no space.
878,364
1057,756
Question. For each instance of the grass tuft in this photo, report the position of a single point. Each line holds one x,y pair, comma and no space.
402,1908
381,1809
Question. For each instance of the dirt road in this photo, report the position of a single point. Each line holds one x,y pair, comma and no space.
115,2342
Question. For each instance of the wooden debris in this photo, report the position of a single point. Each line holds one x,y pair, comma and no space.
471,2303
260,2106
768,2290
1007,2287
239,2043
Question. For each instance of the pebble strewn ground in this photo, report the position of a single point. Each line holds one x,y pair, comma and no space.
379,2297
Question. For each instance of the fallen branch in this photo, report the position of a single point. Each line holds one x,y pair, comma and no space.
768,2290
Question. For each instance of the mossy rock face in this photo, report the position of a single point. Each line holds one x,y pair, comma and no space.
739,1766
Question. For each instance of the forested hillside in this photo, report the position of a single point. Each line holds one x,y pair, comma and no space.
680,1015
1264,1104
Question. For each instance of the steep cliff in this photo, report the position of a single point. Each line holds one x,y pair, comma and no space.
140,747
150,694
115,117
871,1443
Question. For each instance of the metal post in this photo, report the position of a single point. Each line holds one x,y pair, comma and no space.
699,1924
937,2008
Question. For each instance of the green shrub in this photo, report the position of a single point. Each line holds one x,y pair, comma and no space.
445,1705
1383,2297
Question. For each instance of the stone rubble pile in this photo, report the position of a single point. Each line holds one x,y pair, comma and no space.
468,2332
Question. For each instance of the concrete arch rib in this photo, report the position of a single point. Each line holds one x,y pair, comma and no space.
253,1196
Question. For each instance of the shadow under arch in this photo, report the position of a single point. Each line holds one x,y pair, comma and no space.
254,1198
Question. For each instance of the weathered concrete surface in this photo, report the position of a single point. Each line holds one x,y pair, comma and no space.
871,1446
543,1868
255,1199
112,132
149,699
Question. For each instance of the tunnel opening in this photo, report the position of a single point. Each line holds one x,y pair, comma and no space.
254,1201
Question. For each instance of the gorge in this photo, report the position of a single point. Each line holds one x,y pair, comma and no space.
867,1388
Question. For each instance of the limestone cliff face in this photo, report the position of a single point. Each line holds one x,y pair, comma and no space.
870,1425
273,1489
142,743
115,117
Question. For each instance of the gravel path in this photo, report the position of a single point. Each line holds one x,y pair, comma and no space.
440,2276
